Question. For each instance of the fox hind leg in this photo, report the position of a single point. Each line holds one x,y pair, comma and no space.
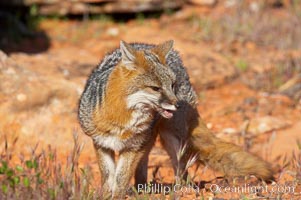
141,171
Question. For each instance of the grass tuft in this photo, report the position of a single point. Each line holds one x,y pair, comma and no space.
42,176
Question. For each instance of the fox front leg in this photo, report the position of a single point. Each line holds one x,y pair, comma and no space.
106,164
126,166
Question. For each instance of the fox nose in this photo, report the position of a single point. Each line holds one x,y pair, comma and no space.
175,104
174,101
171,99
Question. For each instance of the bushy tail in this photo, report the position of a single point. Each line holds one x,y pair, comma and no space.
227,157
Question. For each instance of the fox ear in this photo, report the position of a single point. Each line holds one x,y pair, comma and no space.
164,48
128,55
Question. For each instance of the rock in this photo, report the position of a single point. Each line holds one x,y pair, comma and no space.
266,124
292,88
254,7
25,89
113,31
3,58
43,105
50,7
10,75
229,131
290,83
209,125
21,97
231,3
203,2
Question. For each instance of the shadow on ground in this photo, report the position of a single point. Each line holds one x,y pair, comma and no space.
18,33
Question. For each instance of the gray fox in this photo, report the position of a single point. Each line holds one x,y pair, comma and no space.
140,91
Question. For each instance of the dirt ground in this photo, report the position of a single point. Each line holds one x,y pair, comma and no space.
244,86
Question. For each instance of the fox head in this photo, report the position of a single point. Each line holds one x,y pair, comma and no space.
153,85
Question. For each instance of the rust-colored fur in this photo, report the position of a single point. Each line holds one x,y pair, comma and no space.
114,102
227,157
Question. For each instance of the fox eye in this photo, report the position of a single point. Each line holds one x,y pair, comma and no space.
155,88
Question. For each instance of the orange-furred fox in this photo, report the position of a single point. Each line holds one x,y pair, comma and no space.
137,92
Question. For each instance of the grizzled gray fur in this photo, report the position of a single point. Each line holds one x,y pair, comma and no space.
96,84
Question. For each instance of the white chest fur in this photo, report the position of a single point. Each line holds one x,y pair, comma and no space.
111,142
139,122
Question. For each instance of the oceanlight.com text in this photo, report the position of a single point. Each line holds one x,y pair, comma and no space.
215,188
252,189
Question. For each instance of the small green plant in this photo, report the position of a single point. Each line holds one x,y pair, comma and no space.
140,17
33,18
242,65
206,26
102,18
169,11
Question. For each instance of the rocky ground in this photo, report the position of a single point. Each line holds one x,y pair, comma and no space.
248,87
